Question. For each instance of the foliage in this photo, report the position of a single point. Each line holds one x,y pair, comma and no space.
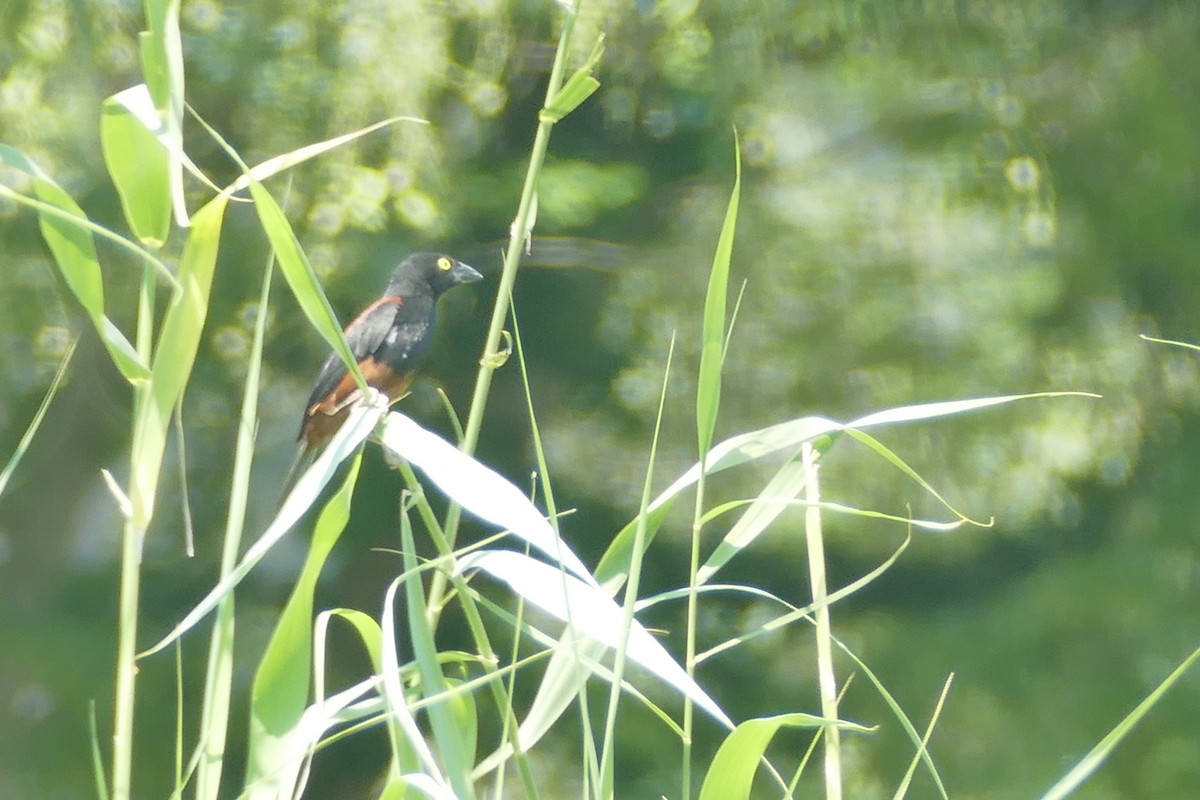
904,236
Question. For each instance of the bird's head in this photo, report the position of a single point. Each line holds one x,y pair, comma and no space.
436,271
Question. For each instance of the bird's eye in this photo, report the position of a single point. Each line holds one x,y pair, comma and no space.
444,264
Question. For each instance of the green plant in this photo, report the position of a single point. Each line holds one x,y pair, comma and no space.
293,715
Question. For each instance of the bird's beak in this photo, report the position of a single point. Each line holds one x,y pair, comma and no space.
464,273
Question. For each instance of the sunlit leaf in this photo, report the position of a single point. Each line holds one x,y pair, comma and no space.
359,424
137,166
477,489
591,612
279,694
161,50
294,265
732,452
281,163
731,773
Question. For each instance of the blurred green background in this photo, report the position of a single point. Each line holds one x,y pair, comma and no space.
940,200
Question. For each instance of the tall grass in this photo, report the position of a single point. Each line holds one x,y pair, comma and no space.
434,704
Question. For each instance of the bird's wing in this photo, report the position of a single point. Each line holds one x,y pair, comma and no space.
365,335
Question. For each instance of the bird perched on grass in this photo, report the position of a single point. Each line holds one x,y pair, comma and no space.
388,340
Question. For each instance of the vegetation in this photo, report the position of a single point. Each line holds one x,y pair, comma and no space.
898,237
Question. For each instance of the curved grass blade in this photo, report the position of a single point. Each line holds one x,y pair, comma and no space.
731,773
68,235
732,452
478,489
592,612
279,695
344,443
274,166
949,408
294,265
27,437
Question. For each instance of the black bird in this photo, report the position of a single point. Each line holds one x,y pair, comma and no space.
388,340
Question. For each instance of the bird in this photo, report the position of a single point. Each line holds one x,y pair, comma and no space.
388,339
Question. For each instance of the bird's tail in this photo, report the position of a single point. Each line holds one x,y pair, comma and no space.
304,457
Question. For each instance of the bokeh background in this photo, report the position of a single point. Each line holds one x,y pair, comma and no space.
940,200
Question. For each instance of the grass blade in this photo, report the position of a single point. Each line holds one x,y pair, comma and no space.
178,341
162,67
139,169
27,437
280,693
298,272
483,492
344,443
218,685
712,354
452,741
592,612
68,234
1092,761
731,773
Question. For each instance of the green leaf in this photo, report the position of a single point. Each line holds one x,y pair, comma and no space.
712,354
68,235
453,743
345,442
732,452
794,615
161,50
137,165
901,717
280,692
478,489
592,613
300,277
579,87
731,773
215,712
281,163
178,341
773,439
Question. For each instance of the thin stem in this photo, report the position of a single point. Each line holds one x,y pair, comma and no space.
693,604
131,551
131,563
512,260
826,679
631,595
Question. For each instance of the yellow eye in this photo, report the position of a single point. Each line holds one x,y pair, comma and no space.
444,264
